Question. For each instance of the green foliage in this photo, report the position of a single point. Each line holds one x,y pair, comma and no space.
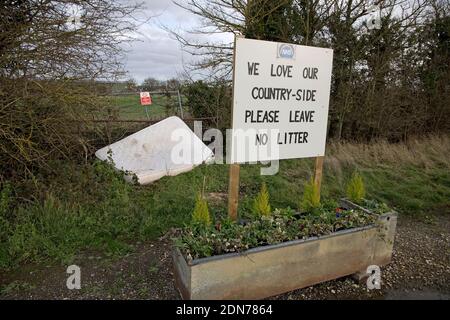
261,205
15,286
355,188
201,216
90,206
210,100
311,197
56,231
271,22
5,199
5,217
375,206
280,226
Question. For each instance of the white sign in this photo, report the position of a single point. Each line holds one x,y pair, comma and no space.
281,97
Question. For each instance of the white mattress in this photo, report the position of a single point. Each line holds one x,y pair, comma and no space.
166,148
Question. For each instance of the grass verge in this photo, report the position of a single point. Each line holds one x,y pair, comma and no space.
90,206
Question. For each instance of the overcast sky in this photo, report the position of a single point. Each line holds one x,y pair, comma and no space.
156,54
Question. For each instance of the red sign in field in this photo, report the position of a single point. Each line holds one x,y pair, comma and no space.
146,99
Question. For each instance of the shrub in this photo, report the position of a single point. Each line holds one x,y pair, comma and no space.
261,205
210,100
311,197
201,215
355,188
5,200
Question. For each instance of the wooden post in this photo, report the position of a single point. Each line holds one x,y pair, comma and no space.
233,191
233,182
318,173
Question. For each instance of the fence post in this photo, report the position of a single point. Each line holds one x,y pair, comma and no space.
318,173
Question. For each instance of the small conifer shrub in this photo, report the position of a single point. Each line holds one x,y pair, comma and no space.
355,188
311,197
261,205
201,215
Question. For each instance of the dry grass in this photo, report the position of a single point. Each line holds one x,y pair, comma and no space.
414,177
426,153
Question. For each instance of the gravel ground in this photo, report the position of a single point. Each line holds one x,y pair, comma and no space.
420,269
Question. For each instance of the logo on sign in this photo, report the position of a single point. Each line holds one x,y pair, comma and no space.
286,51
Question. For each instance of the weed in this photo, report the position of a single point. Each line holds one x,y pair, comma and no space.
153,268
15,286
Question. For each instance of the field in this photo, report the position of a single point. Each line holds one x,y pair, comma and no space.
128,107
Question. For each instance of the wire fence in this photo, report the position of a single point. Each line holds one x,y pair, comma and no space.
124,115
163,103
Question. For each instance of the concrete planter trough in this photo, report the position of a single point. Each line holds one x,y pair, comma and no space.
270,270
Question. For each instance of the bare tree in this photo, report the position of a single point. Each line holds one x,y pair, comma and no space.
388,81
50,52
259,19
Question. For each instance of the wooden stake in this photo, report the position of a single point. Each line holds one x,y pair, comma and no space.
233,182
233,191
318,173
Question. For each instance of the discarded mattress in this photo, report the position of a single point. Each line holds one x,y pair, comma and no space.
168,147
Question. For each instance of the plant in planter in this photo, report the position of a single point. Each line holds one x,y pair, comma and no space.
261,205
355,188
311,197
280,250
201,214
356,194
